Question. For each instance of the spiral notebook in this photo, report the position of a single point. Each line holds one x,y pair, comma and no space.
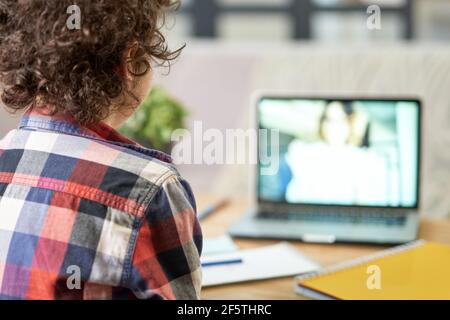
418,271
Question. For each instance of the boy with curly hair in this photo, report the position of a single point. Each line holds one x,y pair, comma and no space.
85,213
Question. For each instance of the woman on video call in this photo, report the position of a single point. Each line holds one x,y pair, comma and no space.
86,213
338,168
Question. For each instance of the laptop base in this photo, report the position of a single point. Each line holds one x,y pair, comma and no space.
252,226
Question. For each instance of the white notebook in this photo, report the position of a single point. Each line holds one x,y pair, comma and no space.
280,260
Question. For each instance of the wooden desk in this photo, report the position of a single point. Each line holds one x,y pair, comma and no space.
218,223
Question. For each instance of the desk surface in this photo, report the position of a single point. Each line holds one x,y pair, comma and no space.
218,223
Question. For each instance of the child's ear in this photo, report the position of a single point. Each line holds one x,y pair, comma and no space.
128,57
136,61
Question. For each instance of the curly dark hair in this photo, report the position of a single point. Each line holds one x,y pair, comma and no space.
76,71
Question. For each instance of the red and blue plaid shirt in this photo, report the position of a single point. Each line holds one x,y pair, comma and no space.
87,214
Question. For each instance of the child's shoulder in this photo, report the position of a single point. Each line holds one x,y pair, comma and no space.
126,171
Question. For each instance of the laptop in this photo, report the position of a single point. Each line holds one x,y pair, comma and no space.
336,170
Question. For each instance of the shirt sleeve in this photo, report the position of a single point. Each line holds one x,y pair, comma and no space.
166,260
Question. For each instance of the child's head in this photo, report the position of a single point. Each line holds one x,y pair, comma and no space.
94,63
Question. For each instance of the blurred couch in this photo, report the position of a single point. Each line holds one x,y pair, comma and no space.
216,80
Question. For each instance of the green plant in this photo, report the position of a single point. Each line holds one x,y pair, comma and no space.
154,121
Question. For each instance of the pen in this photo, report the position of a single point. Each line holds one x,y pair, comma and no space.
212,208
222,262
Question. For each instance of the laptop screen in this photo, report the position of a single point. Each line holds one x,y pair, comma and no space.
341,152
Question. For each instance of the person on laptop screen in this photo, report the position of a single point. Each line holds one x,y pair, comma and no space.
339,166
335,152
86,213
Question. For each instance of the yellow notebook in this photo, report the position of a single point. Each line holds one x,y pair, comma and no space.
419,270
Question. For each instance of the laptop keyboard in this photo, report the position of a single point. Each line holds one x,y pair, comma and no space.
334,215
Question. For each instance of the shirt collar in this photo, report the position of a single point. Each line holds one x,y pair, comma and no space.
66,124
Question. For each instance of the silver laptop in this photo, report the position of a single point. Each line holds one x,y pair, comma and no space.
336,170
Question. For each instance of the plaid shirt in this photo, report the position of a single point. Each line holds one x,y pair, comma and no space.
87,214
